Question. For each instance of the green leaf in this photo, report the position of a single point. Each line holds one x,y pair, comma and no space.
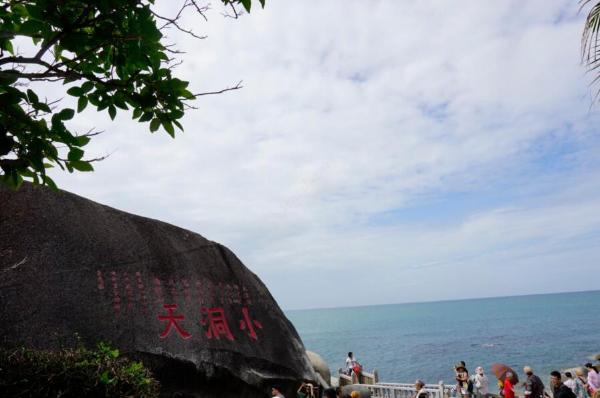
154,124
82,140
43,107
247,4
187,94
146,116
112,111
7,45
137,112
32,96
15,180
8,77
81,165
105,377
169,127
81,103
49,182
176,123
66,114
70,79
75,91
31,28
87,86
19,10
75,154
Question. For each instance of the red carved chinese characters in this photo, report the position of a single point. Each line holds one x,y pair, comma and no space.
213,299
248,324
158,290
172,319
141,289
100,280
217,323
128,292
116,297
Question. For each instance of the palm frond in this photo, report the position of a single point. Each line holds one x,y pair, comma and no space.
590,44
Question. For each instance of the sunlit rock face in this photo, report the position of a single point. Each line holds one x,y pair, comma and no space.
74,269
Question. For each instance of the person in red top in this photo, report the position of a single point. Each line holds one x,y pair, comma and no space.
508,391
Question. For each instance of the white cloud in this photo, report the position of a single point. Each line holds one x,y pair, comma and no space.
355,110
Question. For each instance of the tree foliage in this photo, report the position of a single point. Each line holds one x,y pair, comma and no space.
590,43
74,372
112,55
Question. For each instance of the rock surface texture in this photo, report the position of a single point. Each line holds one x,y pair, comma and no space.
71,268
320,367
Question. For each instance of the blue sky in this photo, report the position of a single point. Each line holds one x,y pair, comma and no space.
379,152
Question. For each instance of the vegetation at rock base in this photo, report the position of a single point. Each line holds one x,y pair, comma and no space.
73,373
113,55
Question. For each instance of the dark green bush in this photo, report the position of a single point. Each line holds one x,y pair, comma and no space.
76,372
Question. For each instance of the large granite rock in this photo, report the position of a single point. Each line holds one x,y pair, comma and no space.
320,367
185,305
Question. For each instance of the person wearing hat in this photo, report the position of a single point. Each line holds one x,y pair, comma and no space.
464,386
420,390
534,387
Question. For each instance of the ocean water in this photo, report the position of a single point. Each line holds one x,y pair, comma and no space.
424,340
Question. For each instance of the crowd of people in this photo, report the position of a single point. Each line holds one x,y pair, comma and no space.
585,384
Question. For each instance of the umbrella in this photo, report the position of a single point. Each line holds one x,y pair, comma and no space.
500,370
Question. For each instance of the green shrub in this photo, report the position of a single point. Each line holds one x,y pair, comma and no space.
76,372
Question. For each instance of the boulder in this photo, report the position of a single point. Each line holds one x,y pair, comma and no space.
74,270
320,367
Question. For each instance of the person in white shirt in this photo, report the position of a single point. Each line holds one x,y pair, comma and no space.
350,362
570,382
481,383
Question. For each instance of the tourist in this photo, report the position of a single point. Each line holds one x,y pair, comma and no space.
580,384
420,390
276,393
508,390
330,393
534,387
570,382
481,383
464,386
350,363
306,390
559,390
593,379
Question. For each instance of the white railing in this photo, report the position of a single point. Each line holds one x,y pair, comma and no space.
405,390
353,378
